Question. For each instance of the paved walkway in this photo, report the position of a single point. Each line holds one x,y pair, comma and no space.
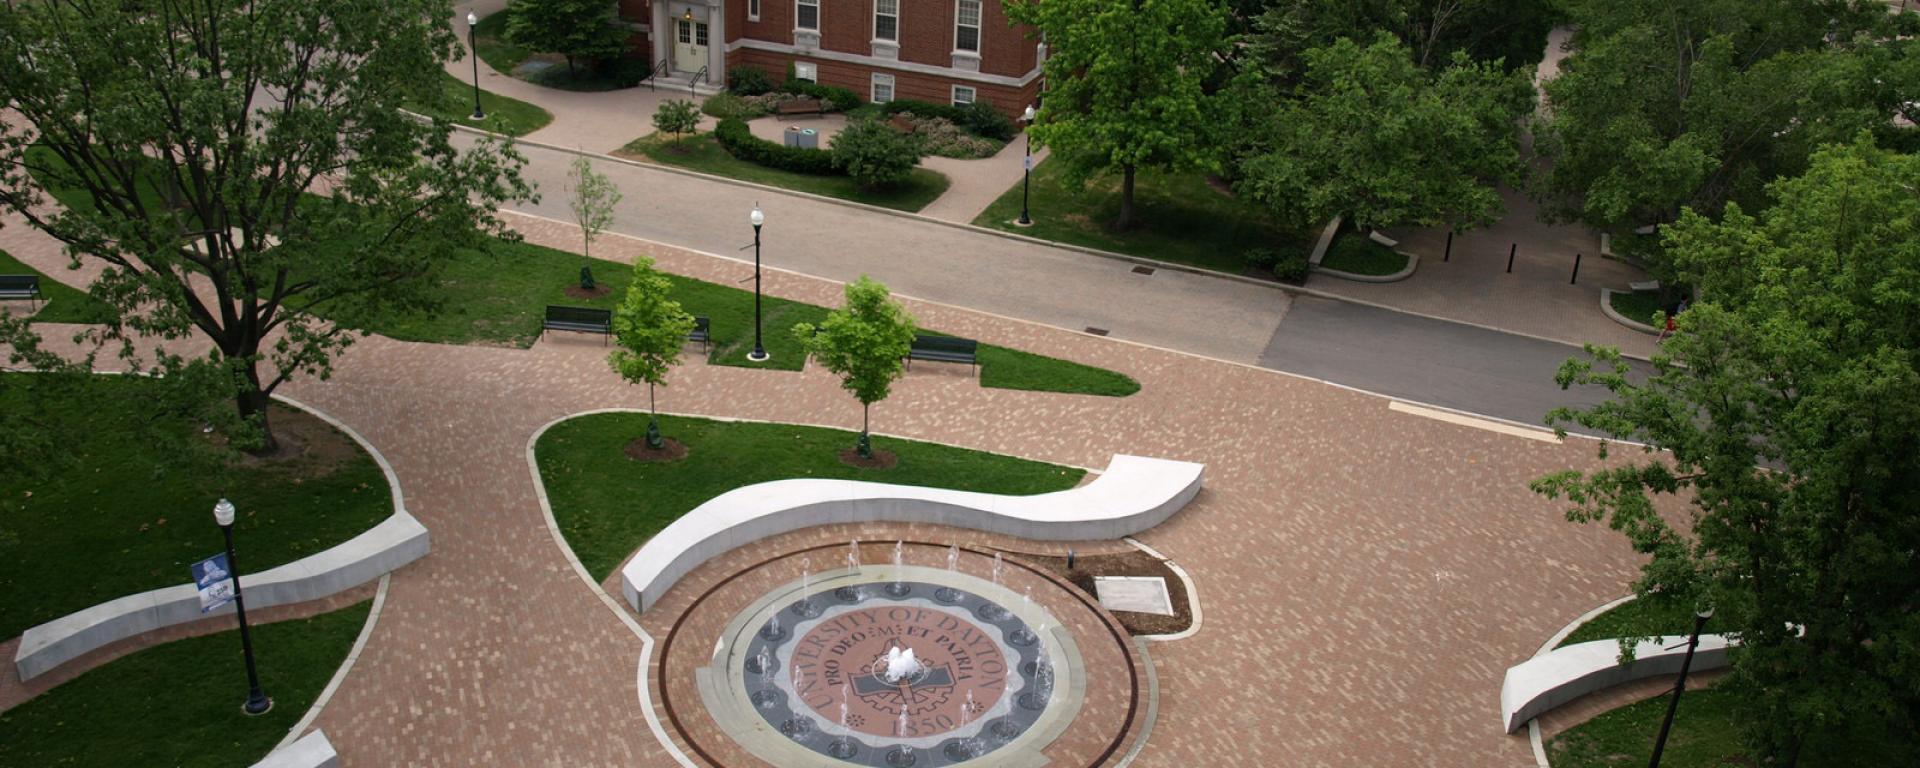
1366,575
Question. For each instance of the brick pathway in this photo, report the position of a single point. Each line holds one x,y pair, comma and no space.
1366,575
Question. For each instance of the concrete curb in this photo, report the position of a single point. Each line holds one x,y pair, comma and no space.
1413,263
1193,593
1606,307
340,675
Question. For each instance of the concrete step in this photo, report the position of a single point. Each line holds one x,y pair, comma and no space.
678,83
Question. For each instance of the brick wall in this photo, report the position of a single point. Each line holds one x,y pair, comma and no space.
1011,101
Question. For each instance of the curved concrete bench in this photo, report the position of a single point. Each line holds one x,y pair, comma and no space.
311,751
1549,680
1134,494
396,541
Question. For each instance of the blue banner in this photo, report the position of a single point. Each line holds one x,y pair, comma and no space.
214,580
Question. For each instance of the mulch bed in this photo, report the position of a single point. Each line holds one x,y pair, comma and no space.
1132,563
879,460
301,438
599,290
673,450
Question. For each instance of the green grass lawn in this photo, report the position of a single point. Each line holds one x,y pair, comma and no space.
1706,735
607,505
178,704
1180,218
62,303
1353,252
701,152
1638,617
454,101
134,510
1640,306
501,299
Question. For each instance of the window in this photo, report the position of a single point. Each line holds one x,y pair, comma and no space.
966,30
882,89
886,20
700,33
805,71
686,31
807,15
753,10
962,95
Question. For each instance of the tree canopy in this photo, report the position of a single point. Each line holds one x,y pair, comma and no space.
1785,417
1668,105
1123,85
1367,133
576,29
1510,32
242,165
650,328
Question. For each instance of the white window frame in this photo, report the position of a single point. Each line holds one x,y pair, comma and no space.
815,5
873,90
753,10
972,93
979,15
895,15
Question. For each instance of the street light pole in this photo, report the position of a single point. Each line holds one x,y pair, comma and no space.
257,702
474,50
1026,173
1660,743
759,353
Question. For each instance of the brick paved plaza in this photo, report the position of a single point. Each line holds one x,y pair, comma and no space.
1366,575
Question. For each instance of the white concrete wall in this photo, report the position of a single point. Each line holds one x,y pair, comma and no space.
311,751
1134,494
1543,682
396,541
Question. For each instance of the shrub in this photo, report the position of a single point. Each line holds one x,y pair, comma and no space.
939,136
1291,267
875,154
840,99
985,121
677,116
923,109
1262,259
626,72
749,81
740,142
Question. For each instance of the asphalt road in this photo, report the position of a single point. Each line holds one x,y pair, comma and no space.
1391,353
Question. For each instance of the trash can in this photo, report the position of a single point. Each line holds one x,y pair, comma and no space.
809,139
792,136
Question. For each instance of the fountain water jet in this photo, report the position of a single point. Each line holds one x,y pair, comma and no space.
898,587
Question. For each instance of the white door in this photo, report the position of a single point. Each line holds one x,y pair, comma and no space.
689,45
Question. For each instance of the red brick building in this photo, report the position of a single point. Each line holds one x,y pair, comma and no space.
942,51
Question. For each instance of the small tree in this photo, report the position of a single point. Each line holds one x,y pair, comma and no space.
866,343
875,154
677,116
576,29
649,327
591,196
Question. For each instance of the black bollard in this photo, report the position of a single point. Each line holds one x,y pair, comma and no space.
1576,271
1069,559
1510,251
1448,255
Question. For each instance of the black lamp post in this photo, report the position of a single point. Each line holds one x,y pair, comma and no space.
759,353
474,50
1026,173
257,702
1660,743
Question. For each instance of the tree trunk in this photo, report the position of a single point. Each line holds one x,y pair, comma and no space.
252,404
1125,221
570,66
865,445
653,422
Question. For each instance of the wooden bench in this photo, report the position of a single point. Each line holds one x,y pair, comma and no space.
14,287
944,349
699,332
583,319
798,107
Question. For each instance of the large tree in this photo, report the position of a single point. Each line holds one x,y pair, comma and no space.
1369,134
241,165
1784,417
1667,105
575,29
1512,32
1123,85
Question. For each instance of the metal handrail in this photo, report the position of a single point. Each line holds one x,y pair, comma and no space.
651,76
697,76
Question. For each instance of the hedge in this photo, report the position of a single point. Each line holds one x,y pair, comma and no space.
841,98
740,142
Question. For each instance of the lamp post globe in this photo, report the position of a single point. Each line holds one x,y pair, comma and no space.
473,50
757,218
257,702
1026,172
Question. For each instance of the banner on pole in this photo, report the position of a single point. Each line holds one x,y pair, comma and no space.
215,581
